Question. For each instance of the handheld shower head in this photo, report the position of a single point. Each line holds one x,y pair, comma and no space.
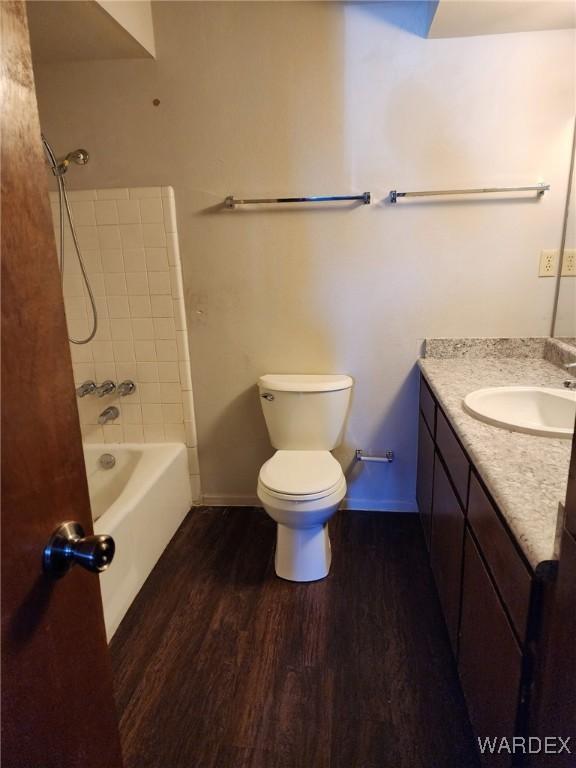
59,167
78,156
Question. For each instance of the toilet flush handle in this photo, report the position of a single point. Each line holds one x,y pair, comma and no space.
267,396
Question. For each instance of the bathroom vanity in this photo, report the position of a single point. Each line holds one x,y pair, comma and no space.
489,500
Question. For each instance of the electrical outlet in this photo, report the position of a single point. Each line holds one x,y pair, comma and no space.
548,263
569,263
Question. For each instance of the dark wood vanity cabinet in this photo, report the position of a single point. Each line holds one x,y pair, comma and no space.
489,658
487,590
425,481
446,549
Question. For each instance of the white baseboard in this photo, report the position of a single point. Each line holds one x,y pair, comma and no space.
379,505
210,500
366,505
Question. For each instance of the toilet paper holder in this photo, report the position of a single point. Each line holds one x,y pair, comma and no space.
386,459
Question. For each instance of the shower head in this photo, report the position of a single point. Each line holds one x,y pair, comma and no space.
78,156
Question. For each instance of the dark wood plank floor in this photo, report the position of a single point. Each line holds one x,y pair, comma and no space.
219,664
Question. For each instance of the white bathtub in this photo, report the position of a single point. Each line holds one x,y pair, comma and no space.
140,502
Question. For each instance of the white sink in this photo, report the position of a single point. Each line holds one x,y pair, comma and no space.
535,410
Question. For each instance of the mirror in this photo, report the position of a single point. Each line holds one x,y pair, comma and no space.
564,318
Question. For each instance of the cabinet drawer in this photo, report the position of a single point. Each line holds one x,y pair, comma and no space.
453,455
425,478
427,405
490,660
447,541
512,576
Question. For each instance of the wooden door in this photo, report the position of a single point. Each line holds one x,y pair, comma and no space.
57,701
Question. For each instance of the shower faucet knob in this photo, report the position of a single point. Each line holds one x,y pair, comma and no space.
126,388
86,388
106,388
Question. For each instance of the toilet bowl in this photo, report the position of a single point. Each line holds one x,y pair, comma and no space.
301,490
302,485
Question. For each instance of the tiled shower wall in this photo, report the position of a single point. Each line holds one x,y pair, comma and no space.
129,243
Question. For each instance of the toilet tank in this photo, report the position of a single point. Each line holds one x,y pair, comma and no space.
303,411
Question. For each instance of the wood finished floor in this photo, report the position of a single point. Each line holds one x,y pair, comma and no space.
219,664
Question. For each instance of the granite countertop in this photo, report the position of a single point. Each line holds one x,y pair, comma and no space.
527,475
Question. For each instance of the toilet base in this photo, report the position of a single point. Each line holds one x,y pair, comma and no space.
302,554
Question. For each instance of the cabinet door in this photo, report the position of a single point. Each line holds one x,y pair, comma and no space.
447,541
425,480
490,659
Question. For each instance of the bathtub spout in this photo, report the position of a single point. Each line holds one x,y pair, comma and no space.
109,414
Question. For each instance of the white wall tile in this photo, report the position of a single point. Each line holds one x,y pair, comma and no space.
118,306
185,374
115,284
156,259
159,283
140,306
131,413
130,248
106,212
81,194
173,249
97,284
152,413
166,350
113,433
154,235
149,392
134,260
153,433
104,371
131,235
137,283
170,392
142,328
143,193
112,194
112,260
102,351
164,328
182,341
82,212
147,372
172,412
123,351
120,329
109,237
87,237
133,433
161,306
145,351
168,372
169,215
151,210
128,211
175,433
92,260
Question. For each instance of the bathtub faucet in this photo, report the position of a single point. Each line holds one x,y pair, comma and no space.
108,414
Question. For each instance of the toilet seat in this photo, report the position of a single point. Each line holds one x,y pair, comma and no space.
301,475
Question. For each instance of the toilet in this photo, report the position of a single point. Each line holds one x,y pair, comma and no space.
302,485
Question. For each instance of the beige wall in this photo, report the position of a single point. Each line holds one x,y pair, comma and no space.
271,98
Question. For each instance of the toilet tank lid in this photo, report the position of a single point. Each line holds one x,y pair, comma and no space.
304,382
